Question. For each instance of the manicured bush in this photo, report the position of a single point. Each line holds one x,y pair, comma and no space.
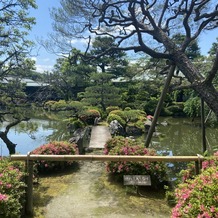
119,113
135,115
111,108
12,188
112,117
48,105
73,124
121,146
198,197
63,105
89,116
55,148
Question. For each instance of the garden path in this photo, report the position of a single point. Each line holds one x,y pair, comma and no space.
91,195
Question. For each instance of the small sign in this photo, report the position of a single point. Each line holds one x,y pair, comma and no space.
142,180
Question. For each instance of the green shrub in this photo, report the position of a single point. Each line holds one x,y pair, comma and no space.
12,188
192,107
48,105
88,116
111,108
55,148
119,113
121,146
135,115
112,117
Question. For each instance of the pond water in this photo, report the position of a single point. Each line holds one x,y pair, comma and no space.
179,137
40,132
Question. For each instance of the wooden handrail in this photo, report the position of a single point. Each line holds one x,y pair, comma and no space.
34,157
29,158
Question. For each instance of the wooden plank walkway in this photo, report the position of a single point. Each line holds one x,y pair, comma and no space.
99,136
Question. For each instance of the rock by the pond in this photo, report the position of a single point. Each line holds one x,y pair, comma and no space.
81,137
133,130
164,123
116,128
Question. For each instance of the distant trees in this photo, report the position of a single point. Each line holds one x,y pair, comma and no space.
148,27
69,75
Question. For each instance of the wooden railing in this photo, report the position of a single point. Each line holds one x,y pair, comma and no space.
30,158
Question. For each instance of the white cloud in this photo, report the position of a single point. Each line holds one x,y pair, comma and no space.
41,68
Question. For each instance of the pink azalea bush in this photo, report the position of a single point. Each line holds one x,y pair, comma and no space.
55,148
197,196
12,188
123,146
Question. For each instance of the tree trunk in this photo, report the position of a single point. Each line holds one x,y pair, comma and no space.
205,90
10,145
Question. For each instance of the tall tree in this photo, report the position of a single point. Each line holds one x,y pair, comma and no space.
14,48
114,61
70,75
149,27
102,92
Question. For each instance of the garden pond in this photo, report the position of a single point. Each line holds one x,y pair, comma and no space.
176,136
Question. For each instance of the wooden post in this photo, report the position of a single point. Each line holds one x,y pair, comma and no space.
29,188
203,129
159,106
197,169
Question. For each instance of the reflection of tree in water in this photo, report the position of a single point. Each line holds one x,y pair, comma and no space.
183,137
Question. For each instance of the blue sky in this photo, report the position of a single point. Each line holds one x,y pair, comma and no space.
45,60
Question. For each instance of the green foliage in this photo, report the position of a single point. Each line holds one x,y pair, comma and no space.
124,146
112,117
63,105
49,105
12,188
192,107
88,116
102,92
54,148
150,105
74,124
114,61
111,108
119,113
135,115
69,74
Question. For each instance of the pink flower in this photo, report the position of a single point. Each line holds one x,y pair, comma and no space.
3,197
8,186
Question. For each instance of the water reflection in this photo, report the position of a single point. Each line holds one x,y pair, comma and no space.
179,137
183,137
